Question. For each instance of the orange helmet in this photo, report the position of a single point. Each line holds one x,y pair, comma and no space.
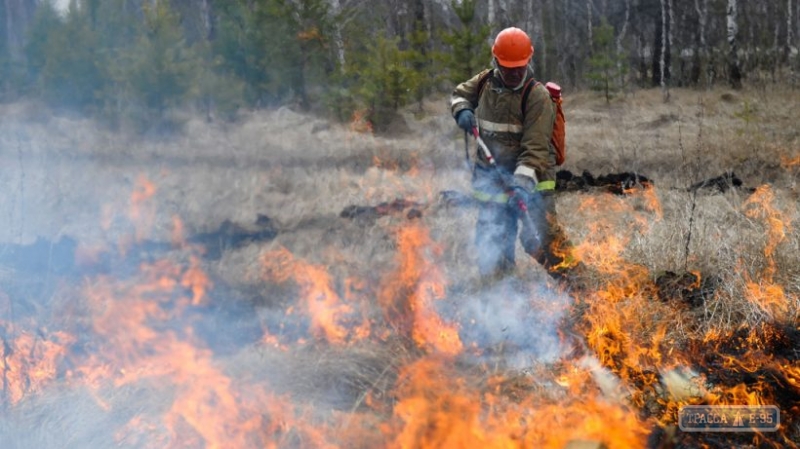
512,48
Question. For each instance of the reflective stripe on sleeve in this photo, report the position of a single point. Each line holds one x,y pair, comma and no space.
503,198
486,125
527,171
489,198
546,185
456,100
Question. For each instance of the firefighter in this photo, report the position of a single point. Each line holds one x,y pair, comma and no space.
525,160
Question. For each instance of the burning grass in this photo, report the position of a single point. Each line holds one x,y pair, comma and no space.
333,332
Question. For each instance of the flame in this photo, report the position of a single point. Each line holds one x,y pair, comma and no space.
787,162
141,329
651,201
766,294
437,407
359,122
408,295
29,361
329,314
142,211
178,238
208,409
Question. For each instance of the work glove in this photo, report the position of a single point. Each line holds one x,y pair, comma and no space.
466,120
522,188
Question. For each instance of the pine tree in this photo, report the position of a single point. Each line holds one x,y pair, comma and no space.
604,63
238,46
470,49
216,92
157,72
46,22
69,68
280,49
423,63
384,80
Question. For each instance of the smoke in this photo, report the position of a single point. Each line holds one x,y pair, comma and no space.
127,319
513,322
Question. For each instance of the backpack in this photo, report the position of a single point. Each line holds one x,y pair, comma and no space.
558,138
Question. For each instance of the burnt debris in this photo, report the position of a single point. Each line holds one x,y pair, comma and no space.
616,183
690,288
566,181
717,184
231,235
398,206
63,256
760,357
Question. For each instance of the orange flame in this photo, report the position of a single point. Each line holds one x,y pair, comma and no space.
787,162
408,295
29,362
439,408
359,122
766,294
142,211
329,314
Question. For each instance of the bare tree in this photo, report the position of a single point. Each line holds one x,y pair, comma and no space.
18,15
502,7
662,61
208,22
671,25
701,6
620,38
338,41
734,71
788,47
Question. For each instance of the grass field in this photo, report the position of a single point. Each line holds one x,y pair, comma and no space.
375,331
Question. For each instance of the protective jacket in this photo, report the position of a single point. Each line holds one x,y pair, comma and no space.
519,143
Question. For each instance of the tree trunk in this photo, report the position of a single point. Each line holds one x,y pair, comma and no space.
338,42
641,44
775,54
502,16
18,15
551,40
701,57
419,46
734,71
620,38
208,21
589,23
667,53
789,28
663,60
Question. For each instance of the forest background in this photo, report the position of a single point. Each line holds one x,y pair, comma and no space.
136,63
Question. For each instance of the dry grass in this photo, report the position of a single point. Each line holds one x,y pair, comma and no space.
64,176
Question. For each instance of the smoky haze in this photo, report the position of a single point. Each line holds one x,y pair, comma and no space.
88,207
224,228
